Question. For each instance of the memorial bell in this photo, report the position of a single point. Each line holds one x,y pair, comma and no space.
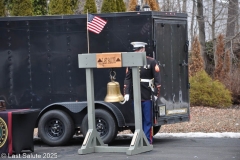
113,90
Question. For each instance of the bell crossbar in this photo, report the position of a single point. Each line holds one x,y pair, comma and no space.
93,142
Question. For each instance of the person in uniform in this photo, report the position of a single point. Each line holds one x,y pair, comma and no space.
150,87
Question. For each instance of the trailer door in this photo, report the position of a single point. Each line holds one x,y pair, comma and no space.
171,41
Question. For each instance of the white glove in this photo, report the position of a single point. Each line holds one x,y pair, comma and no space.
126,97
155,98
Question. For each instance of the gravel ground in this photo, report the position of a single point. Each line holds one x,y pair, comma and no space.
203,119
208,120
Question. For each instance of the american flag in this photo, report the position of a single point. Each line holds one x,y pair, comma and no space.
95,24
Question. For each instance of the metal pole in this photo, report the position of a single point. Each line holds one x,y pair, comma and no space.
90,98
137,99
48,1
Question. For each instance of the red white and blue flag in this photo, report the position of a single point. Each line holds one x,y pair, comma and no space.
95,24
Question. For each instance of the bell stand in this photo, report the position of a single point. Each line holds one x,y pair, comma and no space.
93,142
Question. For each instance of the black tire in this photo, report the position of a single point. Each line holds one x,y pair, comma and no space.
105,125
155,129
55,128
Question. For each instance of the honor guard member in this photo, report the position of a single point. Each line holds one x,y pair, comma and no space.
150,87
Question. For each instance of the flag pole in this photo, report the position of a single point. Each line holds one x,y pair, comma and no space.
87,32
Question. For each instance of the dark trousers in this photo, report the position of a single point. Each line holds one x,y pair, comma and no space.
147,119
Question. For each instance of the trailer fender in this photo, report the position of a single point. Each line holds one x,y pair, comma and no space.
77,107
74,107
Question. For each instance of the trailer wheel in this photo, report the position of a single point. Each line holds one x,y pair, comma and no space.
105,124
55,128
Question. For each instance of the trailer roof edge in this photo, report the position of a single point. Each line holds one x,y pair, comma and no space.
116,14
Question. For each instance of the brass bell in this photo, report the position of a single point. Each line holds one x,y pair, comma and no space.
113,92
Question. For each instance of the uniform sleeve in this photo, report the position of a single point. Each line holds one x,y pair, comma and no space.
127,81
157,78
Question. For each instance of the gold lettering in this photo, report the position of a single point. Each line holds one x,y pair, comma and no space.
111,60
105,61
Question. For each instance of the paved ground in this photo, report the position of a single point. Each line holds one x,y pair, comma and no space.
164,148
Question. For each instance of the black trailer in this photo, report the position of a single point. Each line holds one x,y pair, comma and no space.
39,69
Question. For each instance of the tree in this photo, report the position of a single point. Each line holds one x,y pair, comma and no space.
126,2
231,23
164,5
153,5
55,7
109,6
90,6
179,6
120,6
213,19
215,23
22,8
39,7
99,5
113,6
74,5
62,7
201,25
184,6
192,20
8,6
80,7
132,5
68,6
2,8
196,62
219,70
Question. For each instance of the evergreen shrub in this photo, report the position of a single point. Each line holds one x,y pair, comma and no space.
109,6
2,8
90,6
120,6
22,8
205,91
132,5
